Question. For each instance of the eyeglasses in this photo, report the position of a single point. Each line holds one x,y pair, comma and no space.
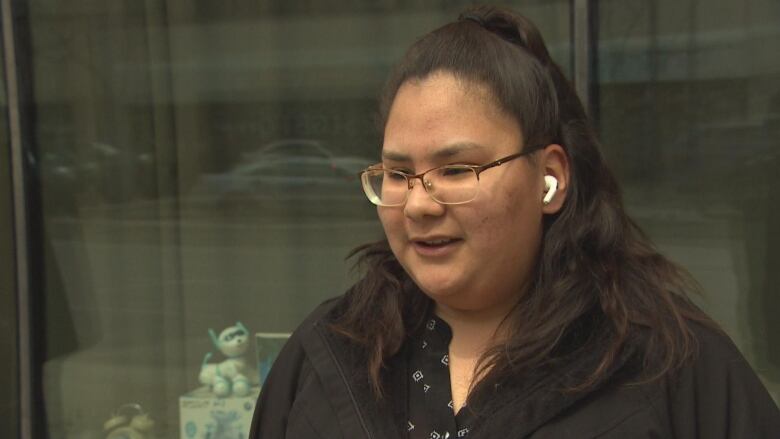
450,184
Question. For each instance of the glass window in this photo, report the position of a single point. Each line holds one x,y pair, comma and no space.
689,110
197,168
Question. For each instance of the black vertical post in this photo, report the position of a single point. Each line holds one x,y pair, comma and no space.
9,366
583,43
18,82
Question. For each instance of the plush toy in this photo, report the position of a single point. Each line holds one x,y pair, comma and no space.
134,425
232,375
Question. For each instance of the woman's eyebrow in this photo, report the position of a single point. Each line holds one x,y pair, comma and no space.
455,149
395,156
445,152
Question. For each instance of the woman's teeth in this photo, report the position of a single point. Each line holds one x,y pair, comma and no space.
438,242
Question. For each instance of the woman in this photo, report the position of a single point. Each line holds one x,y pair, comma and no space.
512,297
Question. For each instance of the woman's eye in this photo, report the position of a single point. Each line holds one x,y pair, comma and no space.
396,176
455,171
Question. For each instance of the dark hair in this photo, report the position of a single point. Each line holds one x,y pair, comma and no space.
595,266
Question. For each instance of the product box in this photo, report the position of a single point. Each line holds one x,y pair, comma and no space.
267,346
203,415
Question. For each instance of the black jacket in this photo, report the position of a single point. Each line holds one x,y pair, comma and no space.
318,388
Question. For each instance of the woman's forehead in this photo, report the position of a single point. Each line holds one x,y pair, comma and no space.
443,83
445,151
444,115
462,133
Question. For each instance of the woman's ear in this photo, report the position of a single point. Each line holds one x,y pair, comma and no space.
555,168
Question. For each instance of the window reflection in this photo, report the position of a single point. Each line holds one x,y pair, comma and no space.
688,103
195,164
286,174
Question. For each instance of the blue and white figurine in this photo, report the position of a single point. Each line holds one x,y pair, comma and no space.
232,375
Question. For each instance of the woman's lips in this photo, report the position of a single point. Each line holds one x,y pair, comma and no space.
436,246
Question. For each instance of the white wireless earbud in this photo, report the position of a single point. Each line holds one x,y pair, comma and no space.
550,187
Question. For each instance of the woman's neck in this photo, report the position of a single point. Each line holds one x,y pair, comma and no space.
473,332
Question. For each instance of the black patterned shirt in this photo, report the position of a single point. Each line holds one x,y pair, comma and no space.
431,414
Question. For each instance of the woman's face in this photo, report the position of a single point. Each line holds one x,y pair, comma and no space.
469,257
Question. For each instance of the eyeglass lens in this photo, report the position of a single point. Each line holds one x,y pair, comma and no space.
447,185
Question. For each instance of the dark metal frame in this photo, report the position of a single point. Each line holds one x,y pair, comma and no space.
583,42
19,92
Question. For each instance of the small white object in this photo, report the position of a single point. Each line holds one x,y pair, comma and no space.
550,187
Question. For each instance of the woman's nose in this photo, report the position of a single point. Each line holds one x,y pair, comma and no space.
419,203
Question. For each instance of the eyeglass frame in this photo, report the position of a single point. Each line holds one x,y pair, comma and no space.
478,169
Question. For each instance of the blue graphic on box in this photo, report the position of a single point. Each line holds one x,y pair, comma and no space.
191,429
265,366
225,426
268,346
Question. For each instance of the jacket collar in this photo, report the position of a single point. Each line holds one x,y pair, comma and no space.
341,367
523,405
515,408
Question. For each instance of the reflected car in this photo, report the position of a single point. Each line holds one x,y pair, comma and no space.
109,174
291,176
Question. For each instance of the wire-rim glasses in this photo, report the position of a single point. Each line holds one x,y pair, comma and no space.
448,184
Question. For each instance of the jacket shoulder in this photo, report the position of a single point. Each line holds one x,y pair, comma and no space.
323,309
714,395
718,394
290,372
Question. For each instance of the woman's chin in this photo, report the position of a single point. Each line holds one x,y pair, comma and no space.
439,289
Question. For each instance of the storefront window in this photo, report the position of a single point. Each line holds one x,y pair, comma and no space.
689,105
197,166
